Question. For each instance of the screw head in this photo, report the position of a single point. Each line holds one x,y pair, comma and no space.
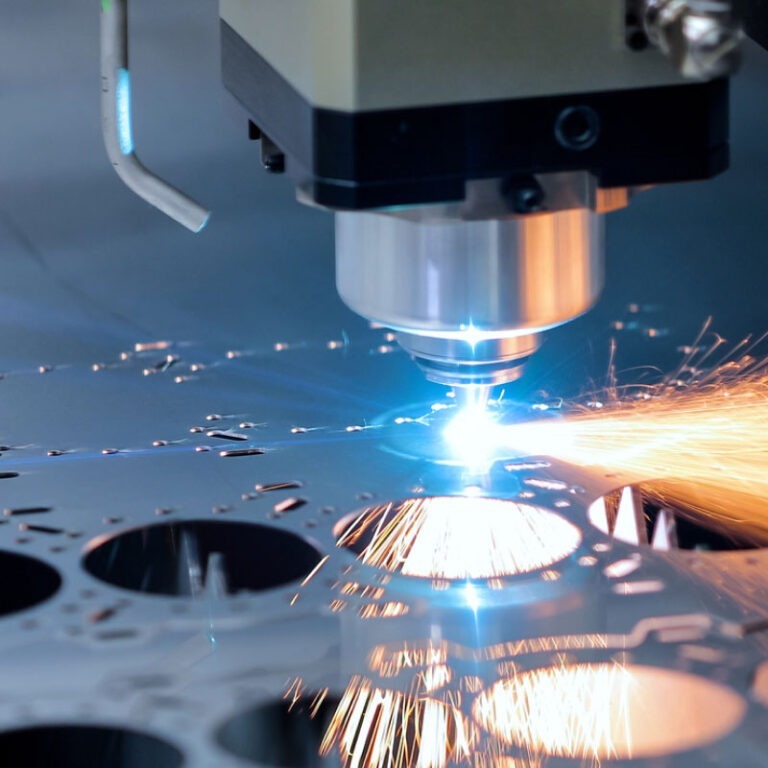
577,128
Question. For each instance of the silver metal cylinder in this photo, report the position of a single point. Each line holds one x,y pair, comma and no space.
468,298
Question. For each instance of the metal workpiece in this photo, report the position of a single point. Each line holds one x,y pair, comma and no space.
116,106
203,610
701,37
468,298
188,434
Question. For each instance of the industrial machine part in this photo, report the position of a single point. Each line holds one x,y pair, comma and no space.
117,127
469,298
468,149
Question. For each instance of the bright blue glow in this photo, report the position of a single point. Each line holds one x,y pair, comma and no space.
471,598
124,133
473,436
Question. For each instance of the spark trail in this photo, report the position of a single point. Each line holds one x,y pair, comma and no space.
700,435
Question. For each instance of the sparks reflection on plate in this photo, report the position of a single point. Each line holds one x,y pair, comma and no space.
375,727
608,711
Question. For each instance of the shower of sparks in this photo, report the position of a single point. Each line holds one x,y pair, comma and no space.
595,712
390,662
459,538
578,711
483,760
701,436
374,727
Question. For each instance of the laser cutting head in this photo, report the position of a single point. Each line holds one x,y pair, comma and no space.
468,149
469,299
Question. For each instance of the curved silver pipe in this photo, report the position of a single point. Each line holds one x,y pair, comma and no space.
116,124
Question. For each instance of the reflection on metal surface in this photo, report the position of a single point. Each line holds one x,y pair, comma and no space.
436,703
282,733
391,661
76,746
456,537
604,711
374,727
186,558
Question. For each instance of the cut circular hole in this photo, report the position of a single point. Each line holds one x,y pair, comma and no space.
75,746
459,537
281,733
608,711
668,515
186,557
32,582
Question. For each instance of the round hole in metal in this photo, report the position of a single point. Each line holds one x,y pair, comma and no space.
28,581
185,558
77,746
281,733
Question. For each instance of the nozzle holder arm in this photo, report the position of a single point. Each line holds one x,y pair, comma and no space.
117,129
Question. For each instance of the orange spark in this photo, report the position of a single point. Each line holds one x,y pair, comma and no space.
700,436
387,610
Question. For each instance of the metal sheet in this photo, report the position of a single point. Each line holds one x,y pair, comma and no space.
102,443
